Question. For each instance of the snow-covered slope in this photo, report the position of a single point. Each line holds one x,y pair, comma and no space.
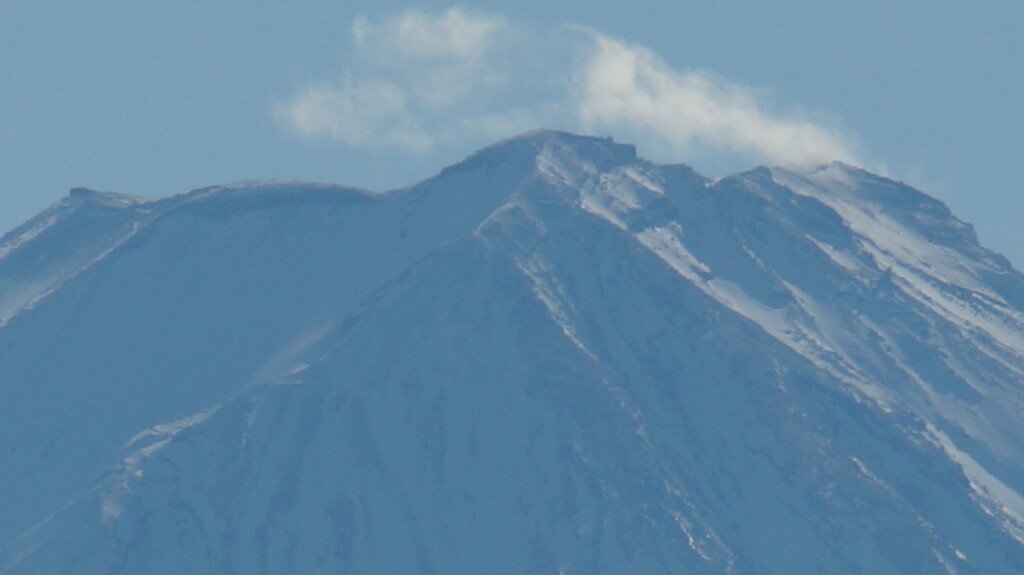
553,357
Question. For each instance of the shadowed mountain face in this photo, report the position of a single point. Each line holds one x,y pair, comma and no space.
553,357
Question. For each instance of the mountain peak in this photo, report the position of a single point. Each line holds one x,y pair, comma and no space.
106,199
538,139
525,149
553,352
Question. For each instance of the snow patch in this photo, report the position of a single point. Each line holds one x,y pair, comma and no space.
665,243
1000,499
30,234
27,296
550,293
802,336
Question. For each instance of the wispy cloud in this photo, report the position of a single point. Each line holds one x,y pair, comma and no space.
373,113
628,88
418,80
454,36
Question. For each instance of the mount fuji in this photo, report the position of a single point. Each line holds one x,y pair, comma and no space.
552,357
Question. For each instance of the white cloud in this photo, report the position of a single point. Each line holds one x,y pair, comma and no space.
629,88
369,113
454,35
416,81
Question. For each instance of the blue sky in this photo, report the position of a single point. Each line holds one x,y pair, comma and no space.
156,98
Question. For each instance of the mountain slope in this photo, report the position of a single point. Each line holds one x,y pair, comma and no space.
552,357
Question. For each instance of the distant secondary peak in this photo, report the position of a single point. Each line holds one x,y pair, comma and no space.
879,196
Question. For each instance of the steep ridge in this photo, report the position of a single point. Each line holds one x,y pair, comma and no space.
552,357
40,255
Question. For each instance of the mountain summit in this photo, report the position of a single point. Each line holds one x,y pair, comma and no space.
553,357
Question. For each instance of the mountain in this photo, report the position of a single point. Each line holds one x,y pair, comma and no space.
552,357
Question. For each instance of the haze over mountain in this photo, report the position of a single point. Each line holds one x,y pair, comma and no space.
552,357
